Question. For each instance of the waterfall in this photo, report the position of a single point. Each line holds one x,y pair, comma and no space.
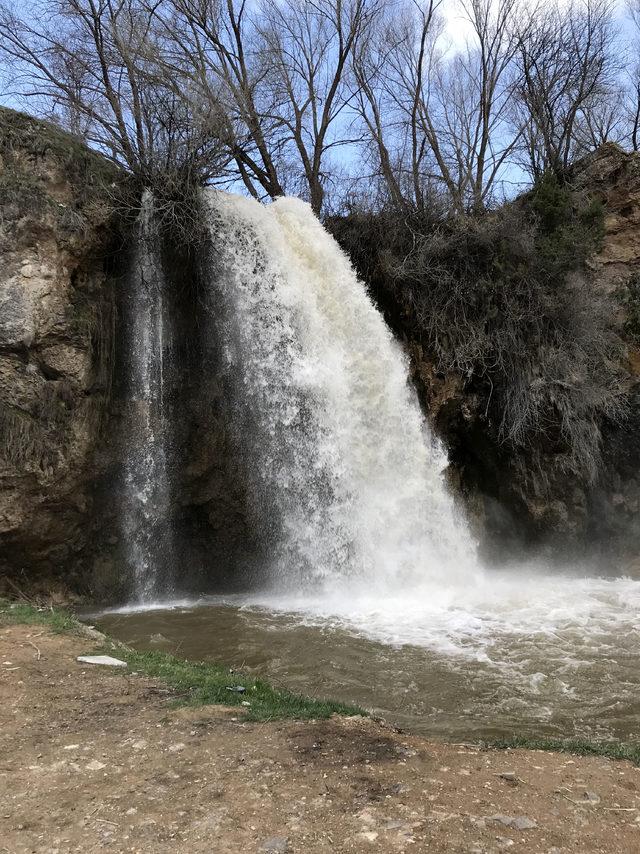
144,502
344,476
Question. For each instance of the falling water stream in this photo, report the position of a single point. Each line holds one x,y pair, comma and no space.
335,444
145,494
373,592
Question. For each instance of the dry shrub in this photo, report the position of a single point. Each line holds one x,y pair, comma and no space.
505,300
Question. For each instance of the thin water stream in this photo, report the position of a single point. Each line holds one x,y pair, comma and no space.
543,656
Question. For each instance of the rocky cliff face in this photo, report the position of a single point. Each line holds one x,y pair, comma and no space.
56,321
614,502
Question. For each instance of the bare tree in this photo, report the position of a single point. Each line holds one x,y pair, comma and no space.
91,64
568,66
481,87
369,61
633,77
393,67
606,120
308,45
445,113
211,45
270,92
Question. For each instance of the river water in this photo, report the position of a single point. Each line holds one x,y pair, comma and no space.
528,654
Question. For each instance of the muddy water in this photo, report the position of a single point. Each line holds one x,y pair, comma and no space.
568,667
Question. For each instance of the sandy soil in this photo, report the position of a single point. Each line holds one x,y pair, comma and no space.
93,759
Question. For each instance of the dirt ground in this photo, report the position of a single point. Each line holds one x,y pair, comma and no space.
93,759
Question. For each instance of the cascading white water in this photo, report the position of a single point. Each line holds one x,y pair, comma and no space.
339,454
144,503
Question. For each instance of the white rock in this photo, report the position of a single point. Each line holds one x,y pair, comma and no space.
107,660
94,765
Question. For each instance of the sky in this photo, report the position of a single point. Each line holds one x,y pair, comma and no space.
457,32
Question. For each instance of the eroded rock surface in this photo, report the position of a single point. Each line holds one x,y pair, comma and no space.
56,301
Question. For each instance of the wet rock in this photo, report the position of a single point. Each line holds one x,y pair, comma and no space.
55,302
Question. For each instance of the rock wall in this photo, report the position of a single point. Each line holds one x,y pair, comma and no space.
613,515
56,321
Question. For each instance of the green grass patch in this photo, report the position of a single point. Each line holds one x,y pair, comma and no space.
576,746
14,613
201,683
195,683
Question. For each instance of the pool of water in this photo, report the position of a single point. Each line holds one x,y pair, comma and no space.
540,655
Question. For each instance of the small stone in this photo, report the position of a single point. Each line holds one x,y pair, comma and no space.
368,836
591,798
176,748
275,845
520,822
94,765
